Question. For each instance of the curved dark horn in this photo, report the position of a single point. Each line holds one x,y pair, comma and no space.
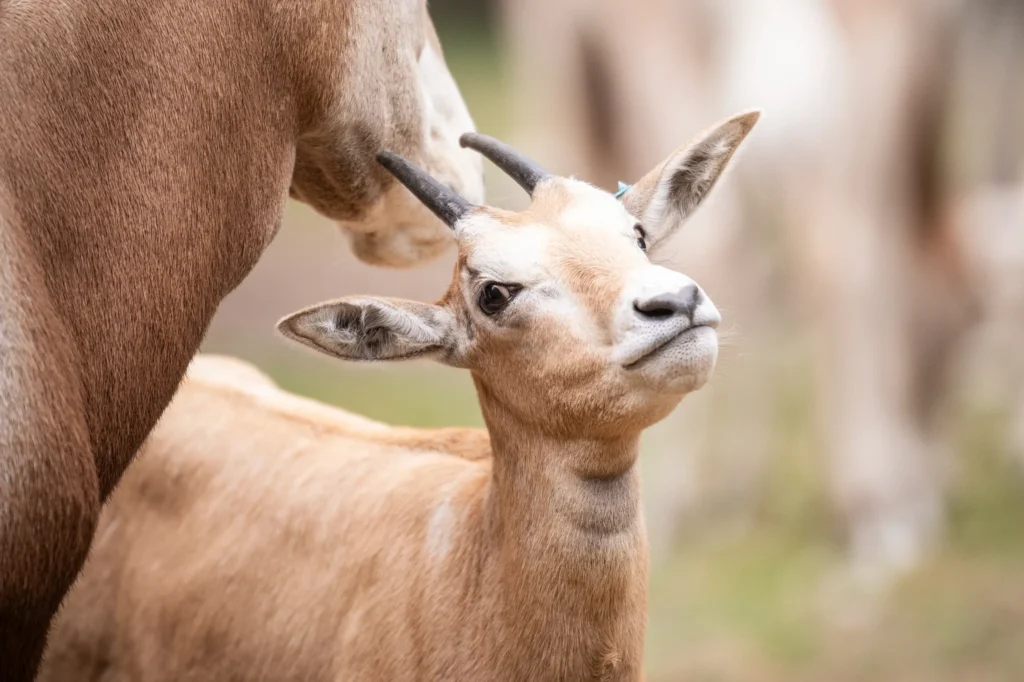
522,169
446,204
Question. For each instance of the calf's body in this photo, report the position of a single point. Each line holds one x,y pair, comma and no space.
278,539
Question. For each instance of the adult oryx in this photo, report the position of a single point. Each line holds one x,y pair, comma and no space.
146,153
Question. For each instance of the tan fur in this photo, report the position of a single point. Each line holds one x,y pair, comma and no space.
311,561
261,535
230,374
146,153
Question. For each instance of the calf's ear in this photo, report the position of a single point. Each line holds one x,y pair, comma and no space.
666,196
375,329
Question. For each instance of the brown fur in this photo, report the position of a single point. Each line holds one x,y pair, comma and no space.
146,152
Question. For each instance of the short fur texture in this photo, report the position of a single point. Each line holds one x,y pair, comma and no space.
146,153
263,536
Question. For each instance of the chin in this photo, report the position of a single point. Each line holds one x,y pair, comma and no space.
684,365
400,248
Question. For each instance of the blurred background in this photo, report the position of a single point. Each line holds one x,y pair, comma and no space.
845,501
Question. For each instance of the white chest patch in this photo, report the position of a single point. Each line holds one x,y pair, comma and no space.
441,526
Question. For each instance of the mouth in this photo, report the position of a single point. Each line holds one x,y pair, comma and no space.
653,349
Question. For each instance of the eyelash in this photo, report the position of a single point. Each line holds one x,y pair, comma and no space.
641,237
492,306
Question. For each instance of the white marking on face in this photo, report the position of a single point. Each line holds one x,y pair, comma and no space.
522,255
676,352
597,213
513,255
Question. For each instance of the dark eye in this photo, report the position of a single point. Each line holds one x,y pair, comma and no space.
641,237
494,297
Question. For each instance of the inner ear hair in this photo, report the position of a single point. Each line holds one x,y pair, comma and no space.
688,176
387,332
694,174
370,330
701,165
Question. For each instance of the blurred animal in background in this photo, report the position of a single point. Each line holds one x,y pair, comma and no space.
260,536
849,214
146,154
988,150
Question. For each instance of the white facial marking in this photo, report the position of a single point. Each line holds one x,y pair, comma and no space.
677,350
596,211
515,255
638,335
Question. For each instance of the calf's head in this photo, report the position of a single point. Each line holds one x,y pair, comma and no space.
563,320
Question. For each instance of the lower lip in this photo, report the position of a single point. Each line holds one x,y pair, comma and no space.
654,351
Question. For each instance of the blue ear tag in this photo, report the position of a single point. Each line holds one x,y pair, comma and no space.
623,188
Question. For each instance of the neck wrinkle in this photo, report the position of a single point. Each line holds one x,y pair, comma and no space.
574,489
570,549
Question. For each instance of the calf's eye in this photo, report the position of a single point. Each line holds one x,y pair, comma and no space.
641,237
494,297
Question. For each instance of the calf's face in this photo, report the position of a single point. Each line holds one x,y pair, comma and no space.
557,310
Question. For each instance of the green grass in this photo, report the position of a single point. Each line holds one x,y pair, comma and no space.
754,609
418,395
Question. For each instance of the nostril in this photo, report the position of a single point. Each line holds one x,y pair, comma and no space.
652,309
668,304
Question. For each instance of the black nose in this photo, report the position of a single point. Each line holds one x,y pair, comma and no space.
670,304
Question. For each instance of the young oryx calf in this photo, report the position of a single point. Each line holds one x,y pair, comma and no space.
261,538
